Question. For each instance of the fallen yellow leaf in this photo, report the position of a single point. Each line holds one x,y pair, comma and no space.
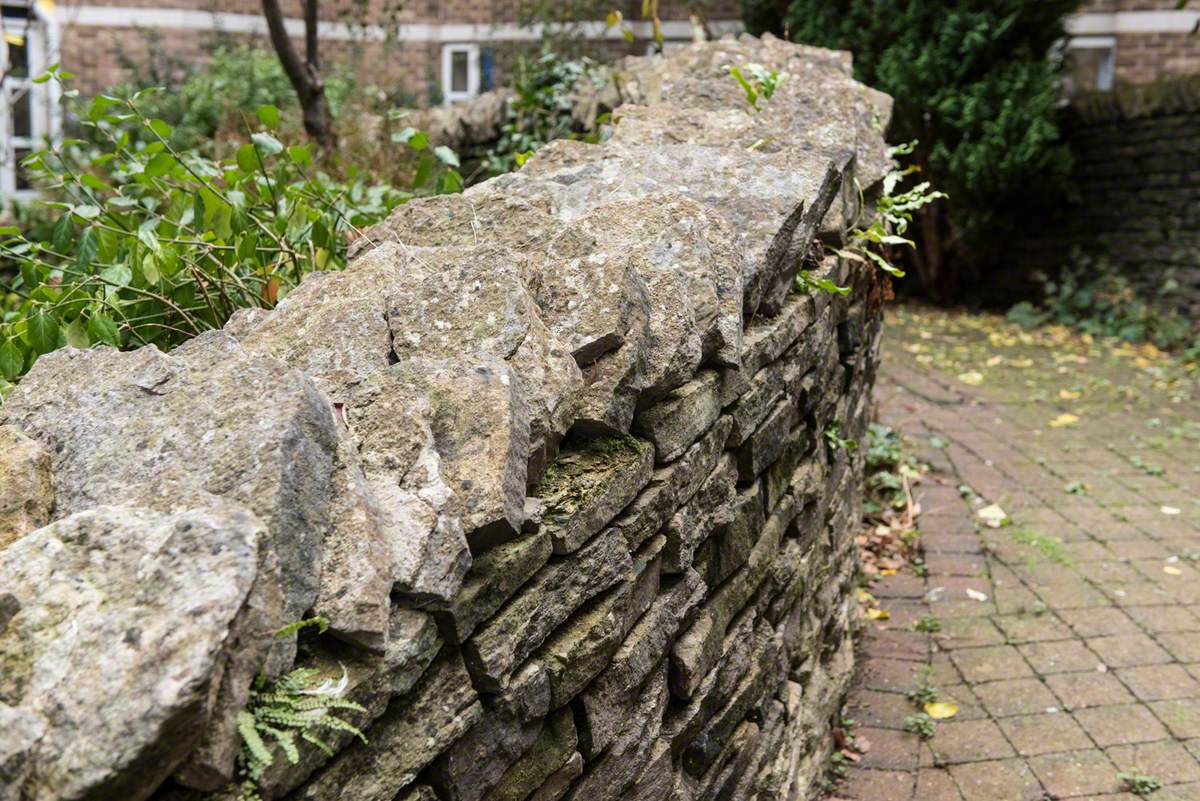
1064,419
940,710
888,572
879,614
1169,510
1172,571
865,597
1067,394
972,378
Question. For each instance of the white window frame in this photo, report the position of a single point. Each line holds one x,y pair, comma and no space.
1108,64
473,71
41,43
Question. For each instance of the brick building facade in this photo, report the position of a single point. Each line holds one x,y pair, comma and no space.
451,49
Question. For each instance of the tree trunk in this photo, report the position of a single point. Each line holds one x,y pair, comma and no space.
305,76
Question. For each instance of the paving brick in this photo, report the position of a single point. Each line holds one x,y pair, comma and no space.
1103,622
968,632
991,663
1076,773
1032,628
1164,619
879,709
1120,725
878,785
1066,656
1181,717
969,741
1167,760
1009,779
1044,733
1082,690
1125,650
1014,697
1159,682
934,784
890,749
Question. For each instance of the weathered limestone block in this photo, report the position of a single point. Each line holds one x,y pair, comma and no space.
582,646
791,471
468,299
493,578
479,758
545,601
123,623
26,491
357,568
603,702
707,509
657,778
370,681
741,646
418,792
721,776
683,253
480,425
817,107
389,419
416,727
767,670
551,761
697,649
766,339
557,784
616,770
169,431
728,547
760,195
678,420
672,485
765,445
646,580
588,485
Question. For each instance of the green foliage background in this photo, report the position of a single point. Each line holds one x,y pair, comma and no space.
975,82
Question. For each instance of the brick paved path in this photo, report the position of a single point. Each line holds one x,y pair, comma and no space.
1083,662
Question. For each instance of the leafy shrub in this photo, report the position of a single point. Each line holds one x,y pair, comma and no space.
208,97
153,244
974,82
542,110
1096,297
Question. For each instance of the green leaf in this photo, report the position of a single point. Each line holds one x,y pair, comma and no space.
160,127
150,269
100,103
248,159
101,328
300,155
160,165
41,332
88,246
268,115
76,335
446,156
267,143
450,183
86,212
62,235
118,275
12,360
92,182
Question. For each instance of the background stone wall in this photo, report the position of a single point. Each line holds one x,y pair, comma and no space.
563,461
1137,186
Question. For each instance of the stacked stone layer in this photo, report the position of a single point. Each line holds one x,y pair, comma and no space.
551,457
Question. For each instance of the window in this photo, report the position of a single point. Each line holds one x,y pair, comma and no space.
1090,63
460,72
28,110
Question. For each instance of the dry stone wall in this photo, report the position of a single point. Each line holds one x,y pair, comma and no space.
551,457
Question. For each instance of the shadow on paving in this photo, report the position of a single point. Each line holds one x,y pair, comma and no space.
1069,638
